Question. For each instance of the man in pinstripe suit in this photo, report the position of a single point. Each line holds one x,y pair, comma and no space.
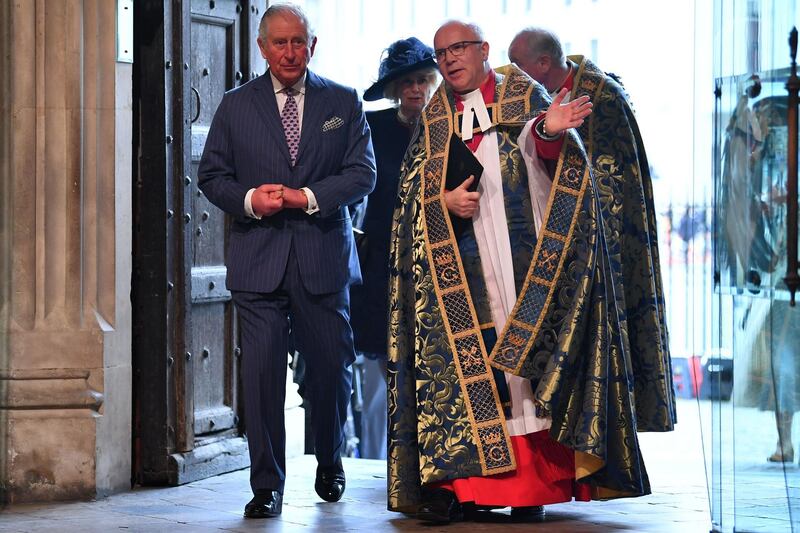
285,155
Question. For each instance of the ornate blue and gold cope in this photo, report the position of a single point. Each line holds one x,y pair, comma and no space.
582,300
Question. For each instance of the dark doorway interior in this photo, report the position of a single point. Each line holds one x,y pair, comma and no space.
186,409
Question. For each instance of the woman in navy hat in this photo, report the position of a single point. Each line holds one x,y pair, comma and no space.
408,76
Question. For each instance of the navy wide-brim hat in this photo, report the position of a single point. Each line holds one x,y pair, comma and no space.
403,56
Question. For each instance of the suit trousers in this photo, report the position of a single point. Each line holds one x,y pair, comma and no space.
322,334
374,424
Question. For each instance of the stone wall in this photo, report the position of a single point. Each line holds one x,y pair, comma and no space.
65,350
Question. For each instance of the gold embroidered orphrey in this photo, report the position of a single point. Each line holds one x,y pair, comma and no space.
513,108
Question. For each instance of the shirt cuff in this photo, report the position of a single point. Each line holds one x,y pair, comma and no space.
248,205
547,147
538,128
312,201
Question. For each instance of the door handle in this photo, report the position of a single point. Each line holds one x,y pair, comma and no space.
197,95
753,86
792,279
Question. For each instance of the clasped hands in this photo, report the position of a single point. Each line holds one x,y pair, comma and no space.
270,198
558,118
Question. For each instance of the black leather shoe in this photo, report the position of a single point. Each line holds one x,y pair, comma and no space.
330,482
267,504
534,513
439,506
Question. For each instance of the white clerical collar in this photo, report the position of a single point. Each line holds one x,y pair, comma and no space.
474,106
299,86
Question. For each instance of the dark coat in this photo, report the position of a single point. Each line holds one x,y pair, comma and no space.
369,302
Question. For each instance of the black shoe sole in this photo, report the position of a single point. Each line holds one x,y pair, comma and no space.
259,515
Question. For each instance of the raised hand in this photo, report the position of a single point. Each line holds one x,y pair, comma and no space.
462,202
561,117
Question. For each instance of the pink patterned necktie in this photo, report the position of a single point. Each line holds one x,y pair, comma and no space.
291,123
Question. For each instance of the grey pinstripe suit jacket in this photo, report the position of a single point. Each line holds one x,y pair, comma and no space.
246,147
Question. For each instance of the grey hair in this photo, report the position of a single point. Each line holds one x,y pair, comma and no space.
283,10
474,28
392,90
539,41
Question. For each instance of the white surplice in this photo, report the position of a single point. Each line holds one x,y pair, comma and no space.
494,246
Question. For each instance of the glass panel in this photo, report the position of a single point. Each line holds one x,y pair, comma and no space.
749,255
753,466
751,190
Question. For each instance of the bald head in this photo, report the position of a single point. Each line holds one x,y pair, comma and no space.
462,55
473,31
538,52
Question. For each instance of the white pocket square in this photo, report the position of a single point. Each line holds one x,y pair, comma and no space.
332,123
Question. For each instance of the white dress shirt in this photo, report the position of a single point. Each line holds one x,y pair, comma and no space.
280,97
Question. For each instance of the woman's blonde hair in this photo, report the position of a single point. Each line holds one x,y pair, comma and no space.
393,89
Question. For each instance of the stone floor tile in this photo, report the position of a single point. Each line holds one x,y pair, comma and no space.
679,503
109,524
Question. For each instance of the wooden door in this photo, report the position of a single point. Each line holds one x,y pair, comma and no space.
186,355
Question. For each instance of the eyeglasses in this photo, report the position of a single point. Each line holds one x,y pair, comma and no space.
455,49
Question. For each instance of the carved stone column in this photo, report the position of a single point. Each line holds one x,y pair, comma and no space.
65,247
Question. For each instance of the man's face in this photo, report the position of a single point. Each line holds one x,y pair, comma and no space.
286,48
536,68
466,72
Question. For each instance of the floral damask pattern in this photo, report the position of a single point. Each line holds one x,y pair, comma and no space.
587,328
